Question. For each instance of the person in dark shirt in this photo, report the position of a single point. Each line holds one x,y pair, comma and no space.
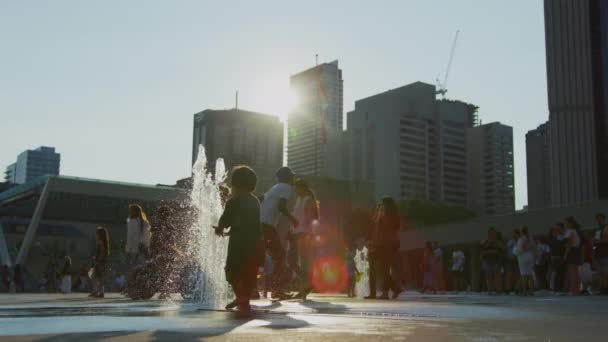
557,246
491,254
384,248
602,252
245,246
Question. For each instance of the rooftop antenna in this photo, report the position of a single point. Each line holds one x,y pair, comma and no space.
236,101
317,59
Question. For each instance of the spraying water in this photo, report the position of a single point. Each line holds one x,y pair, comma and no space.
208,251
362,263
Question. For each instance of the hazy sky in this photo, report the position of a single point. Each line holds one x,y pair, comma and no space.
113,85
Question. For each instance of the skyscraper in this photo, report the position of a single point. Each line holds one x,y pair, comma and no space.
411,145
241,137
32,164
576,34
538,167
491,174
314,126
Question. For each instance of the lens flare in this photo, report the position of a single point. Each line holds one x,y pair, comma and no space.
329,275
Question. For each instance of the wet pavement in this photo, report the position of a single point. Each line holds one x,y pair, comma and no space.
414,317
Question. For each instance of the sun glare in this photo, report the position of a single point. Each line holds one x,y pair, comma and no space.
273,96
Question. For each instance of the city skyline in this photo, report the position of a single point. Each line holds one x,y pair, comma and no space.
138,74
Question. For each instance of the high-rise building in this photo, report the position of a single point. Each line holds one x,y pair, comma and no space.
538,167
32,164
411,145
576,37
9,174
491,175
241,137
315,125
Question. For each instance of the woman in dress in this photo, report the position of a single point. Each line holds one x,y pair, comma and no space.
66,276
138,236
525,250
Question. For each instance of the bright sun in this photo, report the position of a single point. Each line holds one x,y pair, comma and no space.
272,95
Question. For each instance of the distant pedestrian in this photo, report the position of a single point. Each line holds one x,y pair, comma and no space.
429,269
457,270
101,256
491,250
573,255
557,245
351,269
438,253
19,278
525,250
602,252
512,277
542,259
66,276
587,260
138,236
6,277
384,249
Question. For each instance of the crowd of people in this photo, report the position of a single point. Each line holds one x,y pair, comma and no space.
273,247
561,261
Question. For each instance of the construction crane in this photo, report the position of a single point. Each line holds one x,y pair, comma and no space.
442,86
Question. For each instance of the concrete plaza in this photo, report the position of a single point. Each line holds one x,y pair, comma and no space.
414,317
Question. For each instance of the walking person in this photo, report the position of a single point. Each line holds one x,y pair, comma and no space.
245,244
438,253
99,267
429,269
541,268
138,236
276,202
557,246
602,252
573,255
512,277
587,260
491,250
306,211
66,276
457,270
524,250
384,248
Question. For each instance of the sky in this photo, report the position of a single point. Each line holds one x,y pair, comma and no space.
113,85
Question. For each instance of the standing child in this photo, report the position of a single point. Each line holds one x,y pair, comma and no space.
99,268
242,216
66,276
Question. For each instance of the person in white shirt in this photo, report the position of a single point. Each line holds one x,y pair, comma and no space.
306,211
458,261
138,236
277,202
